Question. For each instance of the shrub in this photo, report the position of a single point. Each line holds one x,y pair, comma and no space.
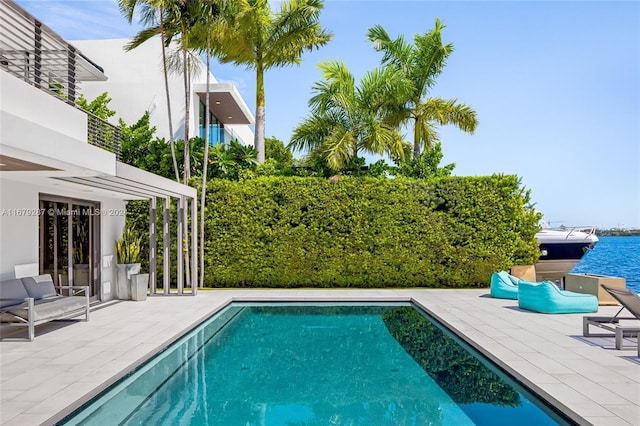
366,232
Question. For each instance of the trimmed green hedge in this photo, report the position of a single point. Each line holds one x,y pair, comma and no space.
366,232
466,379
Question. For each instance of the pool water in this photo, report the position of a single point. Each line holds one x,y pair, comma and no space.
287,365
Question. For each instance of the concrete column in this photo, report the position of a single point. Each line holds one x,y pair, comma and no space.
180,283
194,246
166,242
153,243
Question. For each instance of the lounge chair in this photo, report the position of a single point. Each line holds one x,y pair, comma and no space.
545,297
504,286
629,301
30,301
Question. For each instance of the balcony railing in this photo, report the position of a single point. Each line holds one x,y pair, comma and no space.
104,135
32,52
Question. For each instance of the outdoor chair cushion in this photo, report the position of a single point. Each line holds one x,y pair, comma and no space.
504,286
44,309
545,297
40,286
12,292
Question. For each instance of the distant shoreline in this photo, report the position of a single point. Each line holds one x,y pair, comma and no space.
618,232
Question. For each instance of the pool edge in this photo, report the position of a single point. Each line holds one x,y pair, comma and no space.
523,380
540,392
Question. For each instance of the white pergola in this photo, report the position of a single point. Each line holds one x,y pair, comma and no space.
140,184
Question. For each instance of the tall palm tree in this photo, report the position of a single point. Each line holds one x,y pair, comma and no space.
207,28
261,39
421,63
347,119
152,14
175,23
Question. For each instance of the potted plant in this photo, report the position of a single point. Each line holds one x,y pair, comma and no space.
131,285
81,254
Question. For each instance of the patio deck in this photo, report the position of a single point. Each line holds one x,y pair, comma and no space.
69,362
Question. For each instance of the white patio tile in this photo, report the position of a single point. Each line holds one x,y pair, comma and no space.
608,421
628,412
595,383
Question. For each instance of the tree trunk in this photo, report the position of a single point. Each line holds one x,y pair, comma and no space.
260,114
205,162
166,90
187,103
416,139
187,163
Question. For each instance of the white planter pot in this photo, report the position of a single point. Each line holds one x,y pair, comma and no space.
123,282
139,285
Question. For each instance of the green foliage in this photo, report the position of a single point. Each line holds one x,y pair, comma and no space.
424,166
232,162
259,38
196,156
366,232
98,107
141,149
378,169
463,377
347,118
276,150
128,246
135,142
421,63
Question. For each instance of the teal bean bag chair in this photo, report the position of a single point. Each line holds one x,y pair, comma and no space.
545,297
504,286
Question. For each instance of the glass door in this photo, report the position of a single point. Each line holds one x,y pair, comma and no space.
69,232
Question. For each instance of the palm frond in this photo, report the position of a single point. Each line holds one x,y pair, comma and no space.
429,58
142,37
339,147
310,133
396,52
449,111
295,29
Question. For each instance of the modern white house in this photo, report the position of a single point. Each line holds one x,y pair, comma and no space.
136,84
63,190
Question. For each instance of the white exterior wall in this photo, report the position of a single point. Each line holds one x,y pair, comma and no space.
136,84
111,226
40,128
19,227
244,133
19,231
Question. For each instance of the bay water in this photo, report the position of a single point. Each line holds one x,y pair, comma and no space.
615,257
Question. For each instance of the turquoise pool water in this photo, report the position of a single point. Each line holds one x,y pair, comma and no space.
295,365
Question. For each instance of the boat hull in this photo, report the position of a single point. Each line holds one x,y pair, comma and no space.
554,270
561,249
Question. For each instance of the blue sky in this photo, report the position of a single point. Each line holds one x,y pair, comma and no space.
556,86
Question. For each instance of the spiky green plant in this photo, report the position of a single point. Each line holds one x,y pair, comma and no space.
128,247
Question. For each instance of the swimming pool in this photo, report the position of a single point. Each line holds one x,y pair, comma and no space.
317,364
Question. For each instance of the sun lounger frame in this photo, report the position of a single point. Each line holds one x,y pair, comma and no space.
629,301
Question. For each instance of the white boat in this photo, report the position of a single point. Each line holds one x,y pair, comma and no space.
561,249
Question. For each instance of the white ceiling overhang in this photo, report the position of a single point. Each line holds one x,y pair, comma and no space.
131,181
225,103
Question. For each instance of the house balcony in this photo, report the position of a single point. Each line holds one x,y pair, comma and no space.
35,54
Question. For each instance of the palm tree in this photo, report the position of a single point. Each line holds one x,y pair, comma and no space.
421,63
347,119
177,21
204,32
260,39
152,13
